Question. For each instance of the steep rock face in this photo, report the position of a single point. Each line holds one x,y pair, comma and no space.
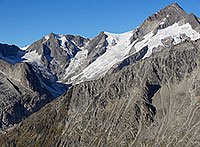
92,51
97,47
171,22
194,21
21,72
107,50
169,15
21,93
153,102
130,93
163,29
56,52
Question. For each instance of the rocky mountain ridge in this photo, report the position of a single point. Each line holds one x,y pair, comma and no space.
73,59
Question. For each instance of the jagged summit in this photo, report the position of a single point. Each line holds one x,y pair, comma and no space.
161,19
75,58
173,11
70,58
174,5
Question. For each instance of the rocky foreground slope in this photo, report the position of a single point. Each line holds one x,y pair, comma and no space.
155,101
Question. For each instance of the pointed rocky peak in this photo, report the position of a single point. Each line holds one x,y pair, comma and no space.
52,34
162,19
173,11
172,24
99,40
77,40
49,40
176,6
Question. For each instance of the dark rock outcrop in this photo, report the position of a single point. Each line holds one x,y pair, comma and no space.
8,50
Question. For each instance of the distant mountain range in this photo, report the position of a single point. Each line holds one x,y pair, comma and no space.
139,88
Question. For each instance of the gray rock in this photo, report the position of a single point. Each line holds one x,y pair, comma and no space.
163,19
21,93
153,102
173,13
168,41
54,58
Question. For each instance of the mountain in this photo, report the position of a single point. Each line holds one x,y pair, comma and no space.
154,102
21,93
73,59
139,88
22,90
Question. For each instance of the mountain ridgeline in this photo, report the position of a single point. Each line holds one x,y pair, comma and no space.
139,88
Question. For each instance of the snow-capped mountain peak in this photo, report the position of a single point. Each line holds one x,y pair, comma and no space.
73,59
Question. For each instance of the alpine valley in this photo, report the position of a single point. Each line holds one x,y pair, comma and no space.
139,88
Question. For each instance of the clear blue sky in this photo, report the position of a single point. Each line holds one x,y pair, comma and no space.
25,21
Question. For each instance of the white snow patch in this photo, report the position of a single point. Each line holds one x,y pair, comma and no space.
114,53
32,57
175,31
76,63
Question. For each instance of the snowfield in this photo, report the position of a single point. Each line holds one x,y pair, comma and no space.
32,57
174,31
118,47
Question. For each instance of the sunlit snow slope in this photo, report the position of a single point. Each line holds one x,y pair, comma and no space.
118,47
174,31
